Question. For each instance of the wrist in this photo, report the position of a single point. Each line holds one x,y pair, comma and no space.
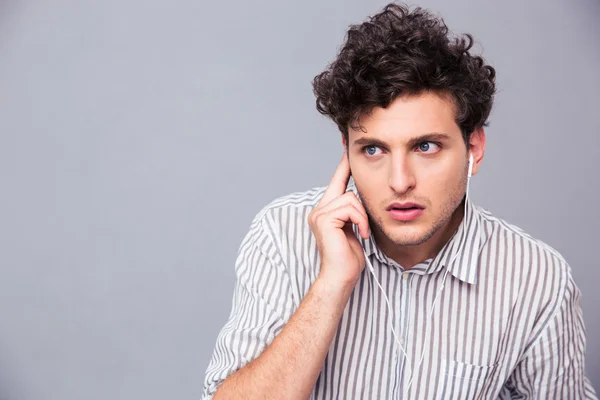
332,286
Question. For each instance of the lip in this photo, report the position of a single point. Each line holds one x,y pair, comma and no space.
412,211
395,205
405,215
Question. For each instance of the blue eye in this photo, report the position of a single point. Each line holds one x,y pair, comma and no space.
371,150
426,146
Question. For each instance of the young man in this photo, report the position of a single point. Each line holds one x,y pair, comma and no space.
390,283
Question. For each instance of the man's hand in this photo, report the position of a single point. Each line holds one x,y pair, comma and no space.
342,257
290,365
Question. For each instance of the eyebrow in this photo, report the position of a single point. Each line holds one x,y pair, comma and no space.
429,137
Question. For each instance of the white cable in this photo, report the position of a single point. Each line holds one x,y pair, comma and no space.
412,375
389,309
427,330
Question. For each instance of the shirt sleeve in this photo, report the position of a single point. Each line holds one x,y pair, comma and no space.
257,314
553,367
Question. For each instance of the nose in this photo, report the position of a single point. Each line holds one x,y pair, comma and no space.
402,178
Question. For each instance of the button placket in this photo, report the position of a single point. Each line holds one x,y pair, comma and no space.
403,320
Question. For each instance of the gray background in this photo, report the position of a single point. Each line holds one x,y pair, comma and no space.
139,138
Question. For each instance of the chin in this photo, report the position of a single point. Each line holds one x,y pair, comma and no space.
409,240
407,235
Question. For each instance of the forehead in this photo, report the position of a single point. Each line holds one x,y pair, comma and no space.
410,116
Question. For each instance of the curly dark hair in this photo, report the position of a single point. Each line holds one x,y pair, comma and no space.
402,52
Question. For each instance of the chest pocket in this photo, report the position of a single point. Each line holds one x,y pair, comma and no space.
462,381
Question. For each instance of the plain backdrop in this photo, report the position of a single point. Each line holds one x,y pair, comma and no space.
138,139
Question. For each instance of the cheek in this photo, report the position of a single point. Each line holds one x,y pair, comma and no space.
444,172
443,186
367,178
370,185
438,179
368,171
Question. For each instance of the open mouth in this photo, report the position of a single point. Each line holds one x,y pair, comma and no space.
404,207
405,212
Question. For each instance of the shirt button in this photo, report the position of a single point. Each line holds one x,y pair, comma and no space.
401,341
405,276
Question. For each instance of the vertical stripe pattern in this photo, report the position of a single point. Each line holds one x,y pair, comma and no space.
507,323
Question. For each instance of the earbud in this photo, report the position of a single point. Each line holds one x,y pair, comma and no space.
470,165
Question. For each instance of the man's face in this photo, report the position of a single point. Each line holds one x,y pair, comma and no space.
412,151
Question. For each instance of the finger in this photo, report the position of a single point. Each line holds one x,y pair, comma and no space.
339,181
341,215
346,198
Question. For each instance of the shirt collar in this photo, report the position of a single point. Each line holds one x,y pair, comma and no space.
465,244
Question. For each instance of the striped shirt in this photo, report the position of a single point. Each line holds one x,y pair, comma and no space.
508,323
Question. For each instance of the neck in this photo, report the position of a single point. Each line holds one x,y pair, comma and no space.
409,256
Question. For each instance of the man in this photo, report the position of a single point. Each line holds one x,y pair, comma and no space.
390,283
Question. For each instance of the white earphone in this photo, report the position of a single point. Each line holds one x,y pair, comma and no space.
470,166
469,174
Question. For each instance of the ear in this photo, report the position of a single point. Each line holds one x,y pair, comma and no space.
477,147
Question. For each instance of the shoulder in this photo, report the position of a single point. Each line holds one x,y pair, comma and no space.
296,202
284,236
281,225
538,270
517,238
